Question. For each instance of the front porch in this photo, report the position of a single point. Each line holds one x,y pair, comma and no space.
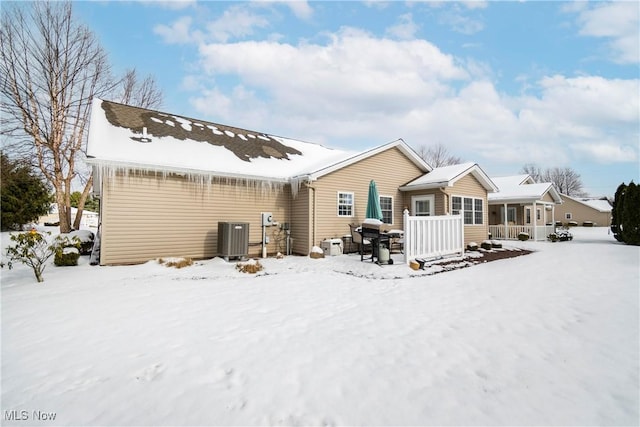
511,232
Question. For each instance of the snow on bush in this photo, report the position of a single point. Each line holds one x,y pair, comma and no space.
316,252
251,266
176,262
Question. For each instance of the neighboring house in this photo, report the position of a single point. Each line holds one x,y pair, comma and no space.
89,219
522,206
166,181
452,190
584,209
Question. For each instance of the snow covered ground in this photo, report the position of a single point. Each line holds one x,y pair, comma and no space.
550,338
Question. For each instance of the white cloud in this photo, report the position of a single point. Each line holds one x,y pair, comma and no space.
235,22
360,90
475,4
460,22
405,29
300,8
607,152
618,22
173,4
177,33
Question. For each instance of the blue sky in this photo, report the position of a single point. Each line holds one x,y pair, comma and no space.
503,84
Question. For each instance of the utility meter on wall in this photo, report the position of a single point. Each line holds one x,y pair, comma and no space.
267,218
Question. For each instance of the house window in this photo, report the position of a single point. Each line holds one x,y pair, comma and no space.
527,215
567,215
386,204
345,204
470,208
423,205
511,215
477,211
538,214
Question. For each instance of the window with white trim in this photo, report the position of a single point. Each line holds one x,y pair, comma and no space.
345,203
471,208
423,205
538,214
511,214
527,215
567,215
386,205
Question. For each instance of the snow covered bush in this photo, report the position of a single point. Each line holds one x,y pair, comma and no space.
67,250
176,262
472,246
486,245
252,266
85,237
523,236
31,248
316,252
495,244
588,224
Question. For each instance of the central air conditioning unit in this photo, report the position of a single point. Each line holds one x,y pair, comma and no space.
233,239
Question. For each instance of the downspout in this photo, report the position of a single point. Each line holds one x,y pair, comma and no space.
313,212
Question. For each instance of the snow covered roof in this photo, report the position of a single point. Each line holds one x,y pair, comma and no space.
123,137
597,204
126,137
447,176
512,181
515,189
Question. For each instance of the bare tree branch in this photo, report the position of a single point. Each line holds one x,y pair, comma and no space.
566,180
51,70
437,156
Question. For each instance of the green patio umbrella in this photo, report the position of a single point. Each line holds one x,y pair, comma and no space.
373,203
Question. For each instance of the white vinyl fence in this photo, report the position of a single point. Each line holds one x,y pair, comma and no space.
432,236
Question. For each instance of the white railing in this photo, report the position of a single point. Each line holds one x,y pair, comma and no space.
432,236
510,232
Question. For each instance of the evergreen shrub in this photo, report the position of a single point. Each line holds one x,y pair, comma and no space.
67,251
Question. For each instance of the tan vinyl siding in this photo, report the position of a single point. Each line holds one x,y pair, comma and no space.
438,196
469,186
301,215
145,216
390,169
581,213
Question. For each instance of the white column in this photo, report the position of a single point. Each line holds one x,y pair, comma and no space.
506,215
534,220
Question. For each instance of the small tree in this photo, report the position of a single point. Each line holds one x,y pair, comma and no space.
31,248
631,215
25,197
616,216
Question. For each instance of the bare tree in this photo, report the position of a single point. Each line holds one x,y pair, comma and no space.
50,70
143,93
566,180
534,171
437,155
